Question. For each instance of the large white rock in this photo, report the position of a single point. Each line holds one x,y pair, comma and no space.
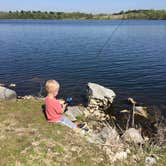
99,92
133,135
7,94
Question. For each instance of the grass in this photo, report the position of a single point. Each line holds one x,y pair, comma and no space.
28,139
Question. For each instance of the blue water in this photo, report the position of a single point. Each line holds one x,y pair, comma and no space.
133,63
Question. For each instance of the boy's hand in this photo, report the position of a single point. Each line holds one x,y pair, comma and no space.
62,101
64,107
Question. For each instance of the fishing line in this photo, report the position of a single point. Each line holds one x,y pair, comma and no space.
109,38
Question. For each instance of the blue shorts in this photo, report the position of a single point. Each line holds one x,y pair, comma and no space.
67,122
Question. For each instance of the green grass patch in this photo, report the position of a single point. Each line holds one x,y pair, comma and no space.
28,139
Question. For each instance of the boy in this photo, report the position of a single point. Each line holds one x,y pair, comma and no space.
54,107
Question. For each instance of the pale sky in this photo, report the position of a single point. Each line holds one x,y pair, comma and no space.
89,6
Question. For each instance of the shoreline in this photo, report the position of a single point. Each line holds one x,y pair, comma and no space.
130,14
83,19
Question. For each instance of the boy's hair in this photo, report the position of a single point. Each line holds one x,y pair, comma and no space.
52,86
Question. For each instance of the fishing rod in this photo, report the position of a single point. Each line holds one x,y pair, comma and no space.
109,38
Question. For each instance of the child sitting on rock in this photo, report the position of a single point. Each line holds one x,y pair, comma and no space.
54,107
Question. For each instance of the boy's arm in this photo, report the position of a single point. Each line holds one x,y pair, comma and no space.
60,108
64,107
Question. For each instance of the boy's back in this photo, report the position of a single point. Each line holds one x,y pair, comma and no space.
53,109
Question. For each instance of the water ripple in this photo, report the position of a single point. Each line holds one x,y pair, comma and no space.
132,63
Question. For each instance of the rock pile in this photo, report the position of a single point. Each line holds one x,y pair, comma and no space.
110,142
99,100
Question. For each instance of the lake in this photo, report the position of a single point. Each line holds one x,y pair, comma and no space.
132,63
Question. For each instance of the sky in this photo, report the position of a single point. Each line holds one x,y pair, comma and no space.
88,6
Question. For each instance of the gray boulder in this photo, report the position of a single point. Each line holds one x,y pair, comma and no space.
74,111
99,92
109,135
133,136
7,94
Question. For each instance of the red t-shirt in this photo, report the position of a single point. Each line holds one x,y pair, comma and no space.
53,109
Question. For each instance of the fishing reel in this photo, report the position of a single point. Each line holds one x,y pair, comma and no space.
69,100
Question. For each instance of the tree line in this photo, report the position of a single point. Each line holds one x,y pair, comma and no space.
130,14
43,15
144,14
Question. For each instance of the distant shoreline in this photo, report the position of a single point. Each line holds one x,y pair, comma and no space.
51,15
30,19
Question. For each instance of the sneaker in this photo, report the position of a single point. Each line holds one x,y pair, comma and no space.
85,129
81,125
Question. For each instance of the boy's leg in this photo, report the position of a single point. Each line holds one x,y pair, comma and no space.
67,122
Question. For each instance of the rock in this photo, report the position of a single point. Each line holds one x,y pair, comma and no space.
74,112
128,151
35,143
100,99
150,161
132,101
125,111
27,97
119,156
104,134
1,84
99,92
135,158
109,135
12,85
7,94
142,111
133,135
93,138
109,152
86,113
